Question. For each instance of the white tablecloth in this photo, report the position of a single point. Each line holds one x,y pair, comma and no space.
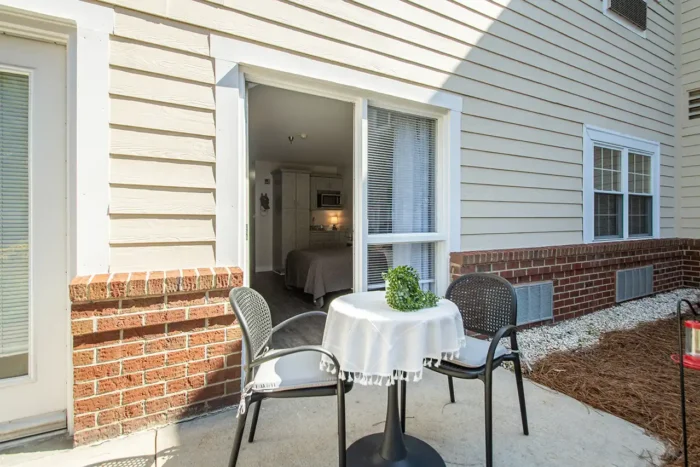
375,344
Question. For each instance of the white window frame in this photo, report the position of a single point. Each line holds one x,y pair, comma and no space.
623,21
594,136
265,65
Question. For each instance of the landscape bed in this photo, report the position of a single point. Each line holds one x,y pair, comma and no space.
626,372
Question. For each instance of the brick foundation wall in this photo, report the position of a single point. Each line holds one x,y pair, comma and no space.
151,348
584,275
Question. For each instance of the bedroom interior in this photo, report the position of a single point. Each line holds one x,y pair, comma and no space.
301,191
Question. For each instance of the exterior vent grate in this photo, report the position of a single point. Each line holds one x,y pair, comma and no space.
694,104
634,11
634,283
535,302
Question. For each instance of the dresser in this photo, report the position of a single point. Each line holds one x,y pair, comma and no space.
325,238
290,214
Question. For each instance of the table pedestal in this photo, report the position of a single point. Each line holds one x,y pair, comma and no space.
392,448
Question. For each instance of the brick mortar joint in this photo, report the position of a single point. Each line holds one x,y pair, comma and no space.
143,324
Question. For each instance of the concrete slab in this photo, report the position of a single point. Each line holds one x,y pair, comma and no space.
302,432
137,450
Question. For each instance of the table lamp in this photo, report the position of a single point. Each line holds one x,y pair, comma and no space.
334,221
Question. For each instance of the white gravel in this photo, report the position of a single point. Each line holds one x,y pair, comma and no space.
585,331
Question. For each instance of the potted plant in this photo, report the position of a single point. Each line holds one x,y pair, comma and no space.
403,292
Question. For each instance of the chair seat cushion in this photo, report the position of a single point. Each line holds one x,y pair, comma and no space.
296,371
473,352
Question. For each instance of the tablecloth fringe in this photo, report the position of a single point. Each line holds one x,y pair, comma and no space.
387,380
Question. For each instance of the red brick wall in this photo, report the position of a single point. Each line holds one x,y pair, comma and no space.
584,275
152,348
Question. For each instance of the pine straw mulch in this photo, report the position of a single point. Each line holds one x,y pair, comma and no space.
630,374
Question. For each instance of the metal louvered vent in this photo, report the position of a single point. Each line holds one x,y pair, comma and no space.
694,104
634,283
634,11
535,302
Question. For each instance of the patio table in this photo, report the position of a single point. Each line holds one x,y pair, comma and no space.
377,345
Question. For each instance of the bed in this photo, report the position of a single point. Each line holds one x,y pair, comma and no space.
319,271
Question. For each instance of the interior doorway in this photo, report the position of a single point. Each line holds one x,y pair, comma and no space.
300,152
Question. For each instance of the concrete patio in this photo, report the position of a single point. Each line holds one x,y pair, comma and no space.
301,432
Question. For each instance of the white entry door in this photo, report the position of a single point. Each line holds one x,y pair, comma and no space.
33,246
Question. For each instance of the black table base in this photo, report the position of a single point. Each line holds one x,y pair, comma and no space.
392,448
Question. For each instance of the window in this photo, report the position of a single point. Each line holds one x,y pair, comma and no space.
401,196
629,13
621,186
14,224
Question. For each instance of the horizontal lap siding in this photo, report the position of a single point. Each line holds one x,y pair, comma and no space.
531,73
690,131
162,144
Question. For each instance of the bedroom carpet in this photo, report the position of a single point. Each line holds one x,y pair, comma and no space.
286,303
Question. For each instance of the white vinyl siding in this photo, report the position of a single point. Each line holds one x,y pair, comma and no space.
162,197
531,73
689,188
14,213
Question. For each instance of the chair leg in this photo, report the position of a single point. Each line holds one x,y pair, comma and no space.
452,389
238,437
488,420
521,394
341,425
254,424
403,405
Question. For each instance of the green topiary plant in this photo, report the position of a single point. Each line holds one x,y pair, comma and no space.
403,292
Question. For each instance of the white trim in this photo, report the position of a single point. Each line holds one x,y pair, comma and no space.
230,169
31,426
346,80
453,146
380,239
623,21
360,196
85,29
89,92
598,136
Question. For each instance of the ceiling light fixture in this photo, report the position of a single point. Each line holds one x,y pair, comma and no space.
301,135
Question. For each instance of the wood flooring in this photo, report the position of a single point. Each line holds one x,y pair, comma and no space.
285,303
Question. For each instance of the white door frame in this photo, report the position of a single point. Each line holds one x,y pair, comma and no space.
240,61
84,29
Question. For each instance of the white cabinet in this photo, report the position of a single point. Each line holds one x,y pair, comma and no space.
290,219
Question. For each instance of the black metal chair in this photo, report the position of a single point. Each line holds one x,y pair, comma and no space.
283,373
489,307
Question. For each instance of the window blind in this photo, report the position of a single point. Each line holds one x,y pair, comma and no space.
420,256
400,193
401,173
14,214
